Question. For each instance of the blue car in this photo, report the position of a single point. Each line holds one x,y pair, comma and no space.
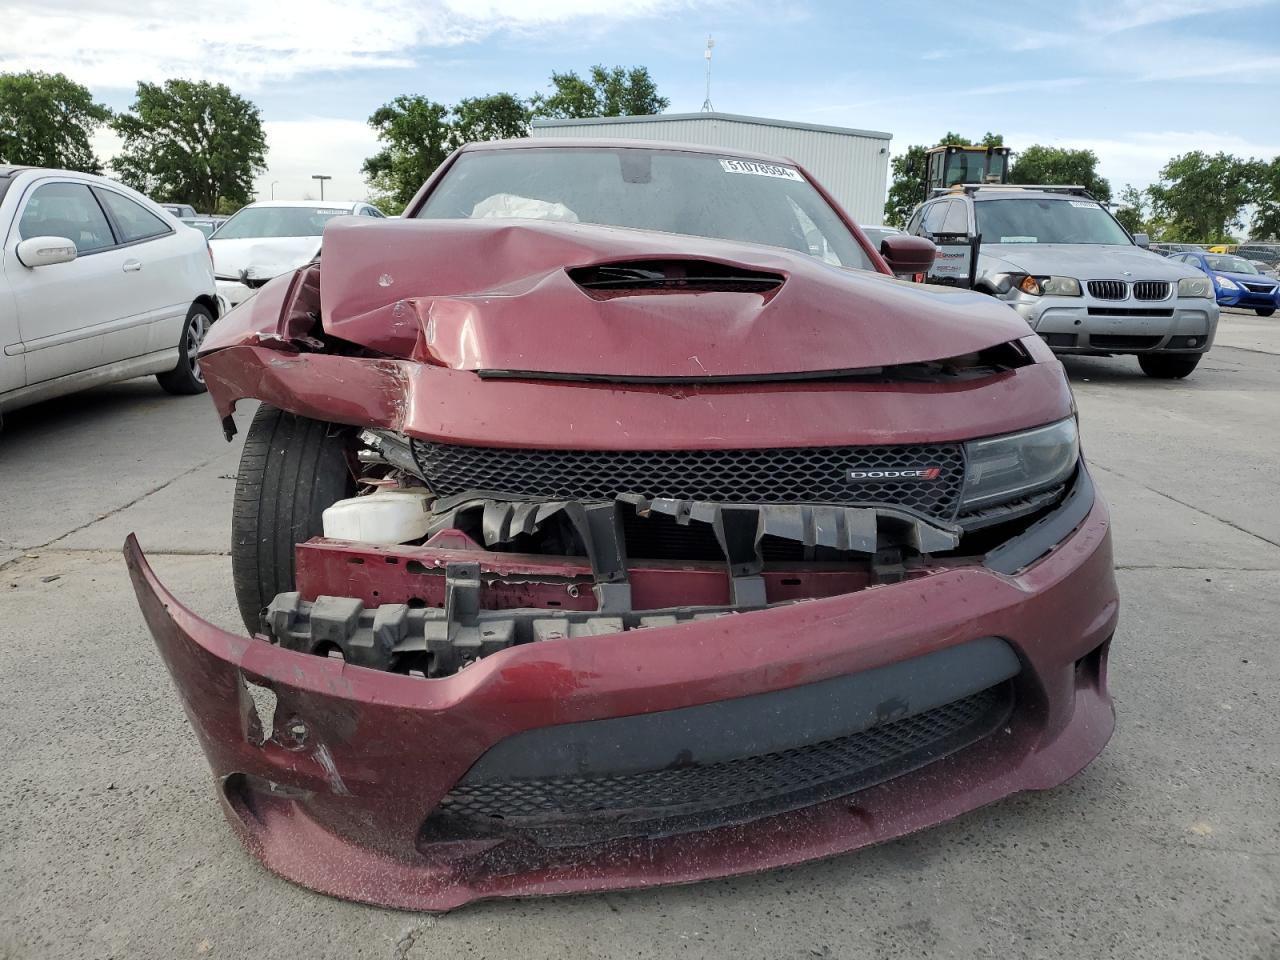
1236,281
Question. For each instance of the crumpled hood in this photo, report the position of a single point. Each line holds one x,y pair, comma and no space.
263,257
492,295
1086,261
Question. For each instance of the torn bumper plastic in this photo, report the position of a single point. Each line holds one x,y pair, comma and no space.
367,785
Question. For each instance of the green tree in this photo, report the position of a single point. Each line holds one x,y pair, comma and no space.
907,189
46,120
1201,197
189,142
1132,209
908,170
1058,165
500,116
417,133
616,92
1266,214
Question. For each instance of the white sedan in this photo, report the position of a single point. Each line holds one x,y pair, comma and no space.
97,284
271,237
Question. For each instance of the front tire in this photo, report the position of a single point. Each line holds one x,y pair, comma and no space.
291,469
186,379
1265,311
1168,366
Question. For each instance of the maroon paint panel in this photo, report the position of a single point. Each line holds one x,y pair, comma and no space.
496,295
359,758
394,574
457,406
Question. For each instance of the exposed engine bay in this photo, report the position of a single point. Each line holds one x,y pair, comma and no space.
471,573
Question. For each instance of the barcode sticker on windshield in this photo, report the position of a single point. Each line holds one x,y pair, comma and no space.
762,169
1083,203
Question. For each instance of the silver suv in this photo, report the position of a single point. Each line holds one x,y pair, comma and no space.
1076,276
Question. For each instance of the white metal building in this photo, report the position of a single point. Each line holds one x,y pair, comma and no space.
852,164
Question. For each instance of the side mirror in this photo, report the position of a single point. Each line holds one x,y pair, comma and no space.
906,254
1142,240
43,251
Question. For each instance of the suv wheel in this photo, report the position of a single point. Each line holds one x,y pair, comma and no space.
291,469
1266,311
1168,366
186,377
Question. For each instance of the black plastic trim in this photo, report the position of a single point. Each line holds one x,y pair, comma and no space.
1047,532
749,726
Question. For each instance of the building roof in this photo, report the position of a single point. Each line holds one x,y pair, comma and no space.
731,117
601,143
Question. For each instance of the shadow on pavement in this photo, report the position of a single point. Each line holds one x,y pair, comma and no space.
1217,371
130,398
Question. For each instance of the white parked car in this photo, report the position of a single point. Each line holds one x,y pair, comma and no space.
97,284
271,237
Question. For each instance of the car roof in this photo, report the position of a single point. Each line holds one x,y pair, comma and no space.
1014,193
543,143
351,204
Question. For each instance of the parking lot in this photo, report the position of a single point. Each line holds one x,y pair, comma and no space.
113,845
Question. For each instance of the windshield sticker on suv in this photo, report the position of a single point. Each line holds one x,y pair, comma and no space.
1019,240
762,169
1084,203
325,212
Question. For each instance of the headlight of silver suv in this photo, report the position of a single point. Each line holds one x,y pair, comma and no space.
1037,286
1195,287
1016,465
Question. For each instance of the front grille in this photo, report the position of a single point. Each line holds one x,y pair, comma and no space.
1260,287
1122,342
576,810
764,476
1108,289
1150,290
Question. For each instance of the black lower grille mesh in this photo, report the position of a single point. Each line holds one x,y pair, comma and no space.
566,810
773,475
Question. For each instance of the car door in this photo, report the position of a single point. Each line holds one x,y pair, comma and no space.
158,293
63,309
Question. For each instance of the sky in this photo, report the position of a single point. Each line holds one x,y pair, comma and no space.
1137,81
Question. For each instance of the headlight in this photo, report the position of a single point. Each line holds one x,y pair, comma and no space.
1036,286
1195,287
1006,468
1226,283
1050,286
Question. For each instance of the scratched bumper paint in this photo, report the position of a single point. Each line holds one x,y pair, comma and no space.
335,793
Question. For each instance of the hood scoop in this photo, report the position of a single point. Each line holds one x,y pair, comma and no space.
583,301
604,281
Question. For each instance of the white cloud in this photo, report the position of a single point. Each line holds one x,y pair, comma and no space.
297,149
1138,157
111,44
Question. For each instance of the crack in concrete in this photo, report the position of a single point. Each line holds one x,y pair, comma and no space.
110,513
1190,506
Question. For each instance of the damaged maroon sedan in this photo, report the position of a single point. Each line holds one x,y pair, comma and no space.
617,518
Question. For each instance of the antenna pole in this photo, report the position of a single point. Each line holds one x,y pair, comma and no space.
706,104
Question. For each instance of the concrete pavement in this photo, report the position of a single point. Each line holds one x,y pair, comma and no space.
112,844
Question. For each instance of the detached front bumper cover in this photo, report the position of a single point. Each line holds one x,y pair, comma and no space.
382,788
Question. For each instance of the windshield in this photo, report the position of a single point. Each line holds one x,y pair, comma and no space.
700,195
1225,264
278,222
1044,220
